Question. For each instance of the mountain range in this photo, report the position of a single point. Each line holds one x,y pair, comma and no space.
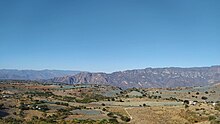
33,74
148,77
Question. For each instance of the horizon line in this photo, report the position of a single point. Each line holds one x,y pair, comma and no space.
45,69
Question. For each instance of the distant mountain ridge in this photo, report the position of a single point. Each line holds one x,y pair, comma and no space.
149,77
33,74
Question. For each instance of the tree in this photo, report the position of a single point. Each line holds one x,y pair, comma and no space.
125,118
110,114
1,106
186,101
113,121
186,106
104,109
204,98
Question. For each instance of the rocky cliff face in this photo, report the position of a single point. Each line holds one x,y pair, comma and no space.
84,77
149,77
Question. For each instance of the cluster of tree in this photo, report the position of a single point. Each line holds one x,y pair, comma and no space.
85,100
214,119
154,97
122,117
217,106
11,120
1,106
64,98
42,107
38,93
89,121
62,103
63,113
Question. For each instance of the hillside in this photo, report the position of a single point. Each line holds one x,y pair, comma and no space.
149,77
33,74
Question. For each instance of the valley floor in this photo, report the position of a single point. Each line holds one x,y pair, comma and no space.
35,103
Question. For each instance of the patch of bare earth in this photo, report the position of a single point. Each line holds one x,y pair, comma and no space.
157,115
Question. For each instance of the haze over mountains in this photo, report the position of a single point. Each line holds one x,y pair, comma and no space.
33,74
149,77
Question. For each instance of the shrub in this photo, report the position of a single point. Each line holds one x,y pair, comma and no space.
204,98
84,100
212,117
23,106
1,106
11,120
216,121
113,121
104,109
62,103
121,100
43,107
110,114
186,106
125,118
186,101
217,106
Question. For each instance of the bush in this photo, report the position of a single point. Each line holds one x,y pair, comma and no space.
110,114
85,100
215,121
125,118
62,103
69,99
23,106
217,106
11,120
186,106
204,98
113,121
212,117
43,108
1,106
186,101
104,109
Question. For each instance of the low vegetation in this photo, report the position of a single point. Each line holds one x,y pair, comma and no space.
35,103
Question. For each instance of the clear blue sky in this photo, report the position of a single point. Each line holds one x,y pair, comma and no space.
108,35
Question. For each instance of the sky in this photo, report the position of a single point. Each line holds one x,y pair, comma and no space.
108,35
